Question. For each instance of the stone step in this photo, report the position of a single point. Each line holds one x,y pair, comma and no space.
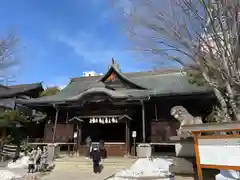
90,162
106,162
82,168
89,166
90,169
80,159
84,165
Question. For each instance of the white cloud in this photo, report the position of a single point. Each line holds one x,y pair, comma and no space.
91,73
125,5
59,81
96,52
90,48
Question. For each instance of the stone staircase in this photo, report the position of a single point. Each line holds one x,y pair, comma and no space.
75,167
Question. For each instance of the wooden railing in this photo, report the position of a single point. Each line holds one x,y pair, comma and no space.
154,139
35,140
159,140
43,140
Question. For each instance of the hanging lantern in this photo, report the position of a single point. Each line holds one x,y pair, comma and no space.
106,120
102,119
49,121
96,120
113,120
90,121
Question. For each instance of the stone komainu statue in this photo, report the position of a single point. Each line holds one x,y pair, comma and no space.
184,117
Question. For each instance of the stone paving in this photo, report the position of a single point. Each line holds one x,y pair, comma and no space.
74,168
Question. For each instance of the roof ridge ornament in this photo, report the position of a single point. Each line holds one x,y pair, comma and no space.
115,64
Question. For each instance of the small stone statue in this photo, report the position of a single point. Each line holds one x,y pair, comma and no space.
184,117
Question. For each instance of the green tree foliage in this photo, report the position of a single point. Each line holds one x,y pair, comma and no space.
50,91
10,118
14,121
195,77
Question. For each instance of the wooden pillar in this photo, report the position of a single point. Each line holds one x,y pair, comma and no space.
79,139
128,147
199,169
67,117
55,124
143,122
4,133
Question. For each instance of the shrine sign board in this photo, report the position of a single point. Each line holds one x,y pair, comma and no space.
221,151
215,150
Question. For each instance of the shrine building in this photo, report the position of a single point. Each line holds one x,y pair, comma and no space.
111,106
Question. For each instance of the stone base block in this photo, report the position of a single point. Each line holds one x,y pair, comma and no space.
185,149
182,166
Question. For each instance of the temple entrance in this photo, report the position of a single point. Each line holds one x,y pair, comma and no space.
114,132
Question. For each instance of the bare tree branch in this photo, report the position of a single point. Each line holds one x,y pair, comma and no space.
204,34
8,51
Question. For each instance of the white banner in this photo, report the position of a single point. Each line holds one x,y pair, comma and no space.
223,152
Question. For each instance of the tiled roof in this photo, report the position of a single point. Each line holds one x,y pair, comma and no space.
153,83
10,91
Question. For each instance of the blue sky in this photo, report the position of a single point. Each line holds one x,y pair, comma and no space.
61,39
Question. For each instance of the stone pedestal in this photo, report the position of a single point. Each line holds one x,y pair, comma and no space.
184,163
184,147
53,151
183,167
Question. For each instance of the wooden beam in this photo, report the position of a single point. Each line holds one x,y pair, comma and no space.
212,127
128,136
155,111
199,169
74,105
67,118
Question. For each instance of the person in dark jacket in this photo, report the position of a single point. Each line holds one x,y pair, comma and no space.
96,158
102,149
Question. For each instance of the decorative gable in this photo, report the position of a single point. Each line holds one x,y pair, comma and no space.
111,78
114,78
113,81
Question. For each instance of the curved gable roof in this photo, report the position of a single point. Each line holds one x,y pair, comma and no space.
154,83
114,69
